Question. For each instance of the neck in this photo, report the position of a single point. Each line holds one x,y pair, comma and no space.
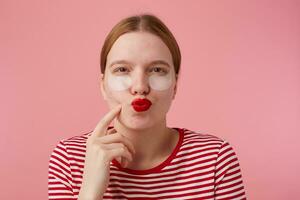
150,144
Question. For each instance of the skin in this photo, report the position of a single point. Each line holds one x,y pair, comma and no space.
139,140
141,48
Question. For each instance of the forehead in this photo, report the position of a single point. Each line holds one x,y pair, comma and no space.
139,48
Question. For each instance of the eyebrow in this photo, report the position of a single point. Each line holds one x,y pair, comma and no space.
162,62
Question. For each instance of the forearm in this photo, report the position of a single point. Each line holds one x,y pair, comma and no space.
84,194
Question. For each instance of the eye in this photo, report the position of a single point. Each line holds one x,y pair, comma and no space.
120,70
159,70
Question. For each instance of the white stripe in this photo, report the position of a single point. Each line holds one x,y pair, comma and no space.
75,149
57,191
198,140
224,169
169,193
177,187
59,156
228,190
232,176
181,169
224,161
62,197
194,196
165,180
53,185
80,158
194,148
198,154
64,170
229,183
58,179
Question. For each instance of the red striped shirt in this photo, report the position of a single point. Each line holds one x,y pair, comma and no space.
202,166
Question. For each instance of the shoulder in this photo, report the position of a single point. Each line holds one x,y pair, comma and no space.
74,146
199,137
76,140
208,146
199,140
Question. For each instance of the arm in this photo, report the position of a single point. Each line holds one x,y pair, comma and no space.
59,174
228,177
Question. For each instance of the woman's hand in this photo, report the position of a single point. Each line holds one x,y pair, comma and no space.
101,148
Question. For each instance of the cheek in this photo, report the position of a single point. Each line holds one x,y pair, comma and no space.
119,83
116,86
115,96
165,98
160,83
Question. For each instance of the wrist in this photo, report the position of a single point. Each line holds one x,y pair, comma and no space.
85,195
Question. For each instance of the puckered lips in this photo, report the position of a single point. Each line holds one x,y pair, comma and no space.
141,105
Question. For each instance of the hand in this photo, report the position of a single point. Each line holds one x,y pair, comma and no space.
101,148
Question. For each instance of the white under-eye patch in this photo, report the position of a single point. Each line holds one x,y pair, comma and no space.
119,83
160,83
124,82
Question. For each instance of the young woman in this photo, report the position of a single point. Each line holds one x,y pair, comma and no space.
139,157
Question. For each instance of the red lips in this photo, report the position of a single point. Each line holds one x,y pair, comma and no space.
141,105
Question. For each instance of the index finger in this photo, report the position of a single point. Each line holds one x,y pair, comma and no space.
105,121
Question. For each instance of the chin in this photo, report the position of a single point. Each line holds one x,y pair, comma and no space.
137,122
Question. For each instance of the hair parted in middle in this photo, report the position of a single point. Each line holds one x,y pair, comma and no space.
144,22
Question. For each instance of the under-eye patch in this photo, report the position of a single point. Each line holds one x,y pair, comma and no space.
124,82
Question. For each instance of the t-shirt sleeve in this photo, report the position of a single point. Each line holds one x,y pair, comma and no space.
59,174
228,177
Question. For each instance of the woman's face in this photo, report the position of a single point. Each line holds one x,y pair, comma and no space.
139,65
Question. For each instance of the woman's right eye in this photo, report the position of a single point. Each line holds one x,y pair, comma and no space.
120,70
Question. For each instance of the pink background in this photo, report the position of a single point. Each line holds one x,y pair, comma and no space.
240,80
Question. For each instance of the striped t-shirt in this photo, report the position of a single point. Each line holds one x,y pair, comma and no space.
201,166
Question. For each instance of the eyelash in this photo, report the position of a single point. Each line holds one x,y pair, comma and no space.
117,69
162,70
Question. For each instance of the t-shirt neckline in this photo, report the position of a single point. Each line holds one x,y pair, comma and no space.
158,167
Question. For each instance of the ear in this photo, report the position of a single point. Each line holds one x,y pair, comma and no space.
175,88
102,87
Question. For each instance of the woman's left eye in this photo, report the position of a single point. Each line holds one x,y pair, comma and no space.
158,70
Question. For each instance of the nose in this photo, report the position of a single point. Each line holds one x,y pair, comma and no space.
140,85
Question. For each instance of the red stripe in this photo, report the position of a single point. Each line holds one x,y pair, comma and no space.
118,188
200,146
162,179
231,192
155,187
168,175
